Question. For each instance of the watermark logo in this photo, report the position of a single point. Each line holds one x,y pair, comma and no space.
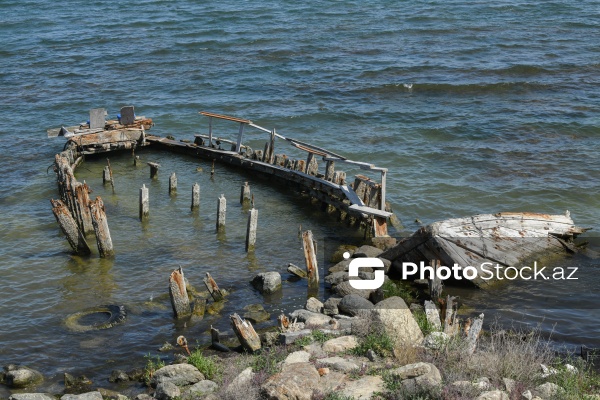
365,262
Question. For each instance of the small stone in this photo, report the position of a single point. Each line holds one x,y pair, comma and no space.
548,389
372,356
340,344
527,395
323,371
509,384
200,389
314,305
436,340
339,364
166,347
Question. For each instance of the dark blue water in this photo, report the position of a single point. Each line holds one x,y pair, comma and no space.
472,107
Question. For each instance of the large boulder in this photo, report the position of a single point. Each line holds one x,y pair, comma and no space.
367,251
339,364
393,316
314,305
267,282
355,305
167,391
295,382
330,307
178,374
202,388
345,288
310,318
19,377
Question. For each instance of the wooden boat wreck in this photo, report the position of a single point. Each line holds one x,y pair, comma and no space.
362,201
492,244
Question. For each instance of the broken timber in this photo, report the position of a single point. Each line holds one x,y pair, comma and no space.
178,294
245,333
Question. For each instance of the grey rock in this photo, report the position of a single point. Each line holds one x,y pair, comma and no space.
244,378
256,313
364,388
493,395
31,396
330,307
527,395
341,266
290,337
310,318
340,344
314,305
367,251
372,356
297,357
418,376
167,391
397,321
355,305
387,264
143,396
177,374
84,396
297,381
201,388
19,377
345,288
548,390
335,278
267,282
509,384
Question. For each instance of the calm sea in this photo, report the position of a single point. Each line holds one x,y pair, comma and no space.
473,107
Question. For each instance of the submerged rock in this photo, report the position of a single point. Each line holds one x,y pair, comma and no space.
19,377
267,282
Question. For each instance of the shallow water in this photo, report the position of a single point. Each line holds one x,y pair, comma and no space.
502,115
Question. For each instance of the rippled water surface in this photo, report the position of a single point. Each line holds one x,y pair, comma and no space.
473,107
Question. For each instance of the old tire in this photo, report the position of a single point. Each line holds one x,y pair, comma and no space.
108,316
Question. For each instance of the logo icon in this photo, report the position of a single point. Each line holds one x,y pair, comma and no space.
365,262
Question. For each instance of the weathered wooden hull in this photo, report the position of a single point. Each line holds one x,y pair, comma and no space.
504,240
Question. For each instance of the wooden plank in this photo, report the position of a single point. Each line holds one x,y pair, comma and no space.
370,211
352,196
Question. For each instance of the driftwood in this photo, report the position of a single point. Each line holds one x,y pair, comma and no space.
178,294
213,288
473,335
100,223
310,257
67,224
245,333
182,341
299,272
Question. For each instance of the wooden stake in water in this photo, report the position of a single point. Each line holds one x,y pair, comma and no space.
213,288
245,193
195,196
112,180
310,256
172,183
103,239
251,230
221,212
144,202
178,294
106,175
212,169
69,228
153,169
82,191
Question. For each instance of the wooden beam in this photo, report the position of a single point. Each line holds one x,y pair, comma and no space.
225,117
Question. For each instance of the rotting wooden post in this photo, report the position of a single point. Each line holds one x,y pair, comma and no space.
106,175
383,189
112,179
144,202
221,212
309,158
251,230
474,334
450,317
271,158
100,223
178,294
245,193
212,169
213,288
266,153
310,257
82,194
245,333
433,315
153,169
172,183
435,284
69,227
136,160
195,196
329,170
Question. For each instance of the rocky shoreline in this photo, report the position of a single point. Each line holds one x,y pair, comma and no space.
358,344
